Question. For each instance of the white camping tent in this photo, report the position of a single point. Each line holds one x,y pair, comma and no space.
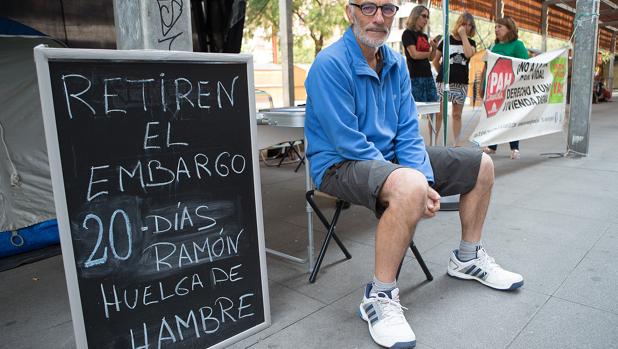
25,184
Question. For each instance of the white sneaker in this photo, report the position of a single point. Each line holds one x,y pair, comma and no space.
384,315
485,270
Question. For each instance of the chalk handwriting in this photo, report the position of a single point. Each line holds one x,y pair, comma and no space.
155,173
79,92
91,261
77,95
183,217
114,299
143,83
208,319
168,142
106,96
170,255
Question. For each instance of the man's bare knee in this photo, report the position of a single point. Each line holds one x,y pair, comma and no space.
486,171
405,188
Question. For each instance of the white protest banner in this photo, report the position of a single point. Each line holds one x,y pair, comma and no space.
523,98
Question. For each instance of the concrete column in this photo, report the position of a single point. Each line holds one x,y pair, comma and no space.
499,9
544,25
147,24
584,58
287,44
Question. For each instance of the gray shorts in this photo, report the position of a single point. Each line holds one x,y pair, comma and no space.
359,182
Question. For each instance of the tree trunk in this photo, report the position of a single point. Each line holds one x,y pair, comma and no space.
274,46
318,45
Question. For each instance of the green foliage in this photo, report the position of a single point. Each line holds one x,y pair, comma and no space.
261,14
303,50
316,18
320,18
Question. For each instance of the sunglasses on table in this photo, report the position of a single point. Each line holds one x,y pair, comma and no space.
370,9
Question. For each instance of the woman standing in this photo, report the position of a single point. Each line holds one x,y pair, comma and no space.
461,49
507,44
419,51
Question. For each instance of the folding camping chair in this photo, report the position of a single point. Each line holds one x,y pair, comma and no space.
330,226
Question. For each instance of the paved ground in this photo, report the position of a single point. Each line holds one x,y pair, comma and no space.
554,220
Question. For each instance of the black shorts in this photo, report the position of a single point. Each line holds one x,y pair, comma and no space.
455,171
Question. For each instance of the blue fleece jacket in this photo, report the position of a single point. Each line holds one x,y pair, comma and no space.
352,114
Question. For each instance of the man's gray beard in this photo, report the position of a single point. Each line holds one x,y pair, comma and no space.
364,39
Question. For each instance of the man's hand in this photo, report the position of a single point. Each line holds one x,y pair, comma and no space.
433,203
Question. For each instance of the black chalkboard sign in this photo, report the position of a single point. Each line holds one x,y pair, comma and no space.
157,195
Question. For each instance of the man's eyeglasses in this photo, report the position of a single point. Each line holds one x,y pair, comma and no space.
370,9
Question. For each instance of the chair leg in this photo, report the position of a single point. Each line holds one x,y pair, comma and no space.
284,155
421,262
325,222
329,235
315,208
341,246
301,157
300,163
290,149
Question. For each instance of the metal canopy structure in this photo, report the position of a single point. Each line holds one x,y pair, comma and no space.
529,15
91,24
